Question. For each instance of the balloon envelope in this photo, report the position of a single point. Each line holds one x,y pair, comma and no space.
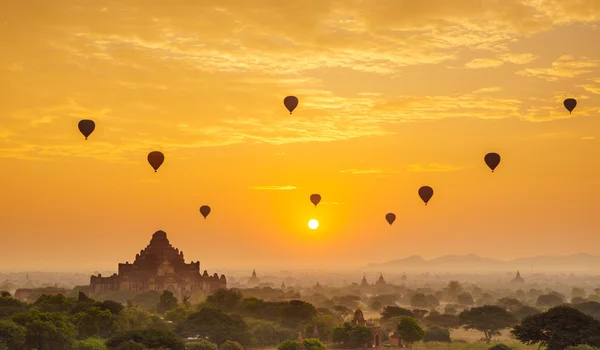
390,218
205,210
425,193
156,158
86,127
315,199
290,102
570,104
492,160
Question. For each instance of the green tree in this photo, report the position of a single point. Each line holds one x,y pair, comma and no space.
54,303
46,330
231,345
151,338
437,334
225,299
313,344
489,319
10,306
167,302
133,317
91,344
178,315
12,335
361,336
288,344
377,305
131,345
341,333
410,330
454,288
94,322
201,345
558,328
582,347
147,300
186,301
215,325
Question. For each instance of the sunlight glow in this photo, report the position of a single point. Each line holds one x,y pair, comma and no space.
313,224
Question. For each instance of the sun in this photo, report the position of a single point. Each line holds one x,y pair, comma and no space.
313,224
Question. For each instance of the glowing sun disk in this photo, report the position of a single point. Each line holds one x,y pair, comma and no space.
313,224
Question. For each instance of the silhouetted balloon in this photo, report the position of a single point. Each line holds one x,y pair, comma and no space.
86,127
290,102
570,104
492,160
315,199
205,210
390,218
425,193
156,158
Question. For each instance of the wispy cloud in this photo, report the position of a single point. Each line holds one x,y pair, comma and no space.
565,67
273,188
433,167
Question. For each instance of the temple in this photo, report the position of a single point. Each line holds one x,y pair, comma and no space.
518,278
359,320
158,267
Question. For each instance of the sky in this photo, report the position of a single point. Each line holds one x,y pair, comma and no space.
394,95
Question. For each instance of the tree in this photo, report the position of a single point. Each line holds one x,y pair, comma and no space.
361,336
131,345
152,338
590,308
419,300
147,300
377,305
12,335
578,292
454,289
432,301
582,347
489,319
510,304
225,299
10,306
450,310
558,328
313,344
525,311
437,334
167,302
443,320
215,325
341,311
133,317
341,333
186,301
549,300
410,330
500,347
201,345
395,311
465,299
91,344
46,330
178,315
288,345
231,345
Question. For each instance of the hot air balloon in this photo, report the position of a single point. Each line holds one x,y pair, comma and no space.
205,210
492,160
570,104
315,199
390,218
156,158
86,127
425,193
290,102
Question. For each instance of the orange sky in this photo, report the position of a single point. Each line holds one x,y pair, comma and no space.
393,95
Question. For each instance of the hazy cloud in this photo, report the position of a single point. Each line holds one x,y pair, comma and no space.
433,167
